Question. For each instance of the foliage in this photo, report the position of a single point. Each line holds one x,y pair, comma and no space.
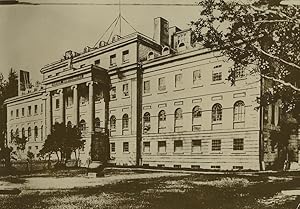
62,141
262,37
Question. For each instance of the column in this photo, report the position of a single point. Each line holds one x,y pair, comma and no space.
75,104
91,106
48,110
45,110
62,105
106,120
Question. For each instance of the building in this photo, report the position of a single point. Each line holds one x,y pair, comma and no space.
161,102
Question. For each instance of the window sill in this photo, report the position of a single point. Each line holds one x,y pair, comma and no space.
125,61
126,152
179,89
162,92
147,94
112,65
147,153
113,99
217,82
197,86
125,97
178,153
239,152
197,153
216,152
161,153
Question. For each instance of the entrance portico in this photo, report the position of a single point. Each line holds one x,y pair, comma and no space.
78,108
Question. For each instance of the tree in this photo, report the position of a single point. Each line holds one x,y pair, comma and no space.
261,37
63,141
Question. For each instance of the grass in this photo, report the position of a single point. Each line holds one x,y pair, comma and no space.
184,192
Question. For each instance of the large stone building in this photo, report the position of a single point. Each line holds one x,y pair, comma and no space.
155,102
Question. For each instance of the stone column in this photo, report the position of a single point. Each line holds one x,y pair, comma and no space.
44,116
91,107
48,110
62,105
75,104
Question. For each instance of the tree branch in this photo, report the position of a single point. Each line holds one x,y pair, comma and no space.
281,82
277,58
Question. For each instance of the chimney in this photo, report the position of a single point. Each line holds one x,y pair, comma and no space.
161,31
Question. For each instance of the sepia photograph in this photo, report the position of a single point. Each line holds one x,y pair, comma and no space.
157,104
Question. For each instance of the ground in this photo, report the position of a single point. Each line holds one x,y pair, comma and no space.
136,188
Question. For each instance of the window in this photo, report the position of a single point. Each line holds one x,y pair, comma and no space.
125,121
57,103
82,125
216,75
162,147
240,73
196,76
23,111
146,87
42,133
217,113
150,55
97,62
125,56
29,110
166,50
238,114
178,81
125,90
146,120
113,60
196,146
113,147
35,109
178,145
69,124
272,114
17,113
161,84
11,114
178,123
17,132
161,120
42,108
216,145
113,123
146,147
36,132
238,144
29,132
113,93
11,135
23,132
125,146
97,123
196,118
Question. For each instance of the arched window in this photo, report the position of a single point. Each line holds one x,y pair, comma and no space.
42,133
166,50
178,123
125,120
36,132
217,113
29,132
69,124
150,55
146,120
196,118
17,132
11,135
181,44
82,125
23,132
161,120
97,122
113,122
238,114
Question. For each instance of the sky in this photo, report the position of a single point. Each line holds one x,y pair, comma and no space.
32,36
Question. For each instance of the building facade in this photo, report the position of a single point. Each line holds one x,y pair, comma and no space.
161,102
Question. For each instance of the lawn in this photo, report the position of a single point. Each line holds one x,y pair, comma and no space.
166,192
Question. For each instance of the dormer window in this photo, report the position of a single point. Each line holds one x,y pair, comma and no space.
166,50
150,55
181,46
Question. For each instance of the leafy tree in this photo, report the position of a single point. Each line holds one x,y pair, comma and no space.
62,141
261,37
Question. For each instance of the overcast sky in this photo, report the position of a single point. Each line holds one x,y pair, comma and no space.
32,36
